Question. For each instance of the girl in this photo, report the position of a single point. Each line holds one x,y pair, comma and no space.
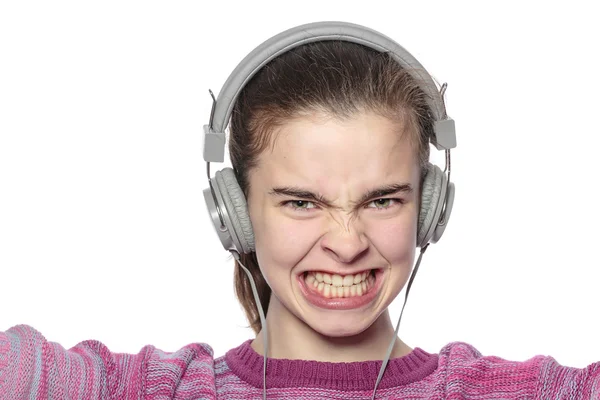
330,195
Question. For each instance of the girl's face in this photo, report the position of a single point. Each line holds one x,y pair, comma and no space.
334,206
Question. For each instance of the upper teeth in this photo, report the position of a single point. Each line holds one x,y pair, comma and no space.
338,280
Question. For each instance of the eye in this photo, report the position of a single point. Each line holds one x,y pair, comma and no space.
384,204
300,205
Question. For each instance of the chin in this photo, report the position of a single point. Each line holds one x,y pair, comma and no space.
339,327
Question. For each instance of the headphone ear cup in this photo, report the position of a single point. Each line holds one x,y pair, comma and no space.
237,210
432,201
441,227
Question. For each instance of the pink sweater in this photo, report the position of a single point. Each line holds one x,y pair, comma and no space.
33,368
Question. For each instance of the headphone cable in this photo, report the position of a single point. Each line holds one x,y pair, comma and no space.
264,323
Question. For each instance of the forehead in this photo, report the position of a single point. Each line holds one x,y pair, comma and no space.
364,137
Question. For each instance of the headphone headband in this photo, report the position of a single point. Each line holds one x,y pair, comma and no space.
214,132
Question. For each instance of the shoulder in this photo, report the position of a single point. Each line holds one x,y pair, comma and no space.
31,365
186,373
542,377
463,358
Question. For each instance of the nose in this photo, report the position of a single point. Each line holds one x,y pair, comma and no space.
345,244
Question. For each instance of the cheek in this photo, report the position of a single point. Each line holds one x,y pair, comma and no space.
283,242
395,239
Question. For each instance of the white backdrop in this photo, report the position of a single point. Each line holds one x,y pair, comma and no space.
104,233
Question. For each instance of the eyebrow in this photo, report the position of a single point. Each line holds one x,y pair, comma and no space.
304,194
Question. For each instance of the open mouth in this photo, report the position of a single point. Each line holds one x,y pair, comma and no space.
332,286
340,291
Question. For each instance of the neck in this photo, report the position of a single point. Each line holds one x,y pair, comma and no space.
291,338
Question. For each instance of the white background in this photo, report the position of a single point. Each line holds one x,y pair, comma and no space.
103,228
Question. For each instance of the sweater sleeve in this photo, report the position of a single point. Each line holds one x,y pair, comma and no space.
469,374
561,382
32,367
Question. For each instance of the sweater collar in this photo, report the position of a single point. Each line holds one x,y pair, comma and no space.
247,364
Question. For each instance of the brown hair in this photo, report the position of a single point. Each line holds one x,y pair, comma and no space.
335,77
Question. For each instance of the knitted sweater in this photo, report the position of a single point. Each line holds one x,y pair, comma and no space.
33,368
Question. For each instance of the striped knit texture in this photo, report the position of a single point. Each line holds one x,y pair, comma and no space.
33,368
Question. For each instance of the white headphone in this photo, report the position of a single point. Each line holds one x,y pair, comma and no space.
224,198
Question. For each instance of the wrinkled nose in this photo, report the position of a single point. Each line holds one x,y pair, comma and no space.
345,245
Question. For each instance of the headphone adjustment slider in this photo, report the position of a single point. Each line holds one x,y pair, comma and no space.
213,145
445,134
